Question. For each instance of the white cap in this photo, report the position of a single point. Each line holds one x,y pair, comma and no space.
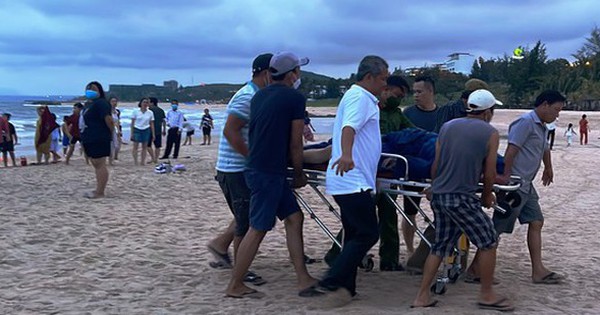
285,61
481,100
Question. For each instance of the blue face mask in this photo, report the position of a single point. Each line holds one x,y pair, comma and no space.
91,94
174,107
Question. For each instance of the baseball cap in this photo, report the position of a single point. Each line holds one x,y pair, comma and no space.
285,61
476,84
481,100
261,62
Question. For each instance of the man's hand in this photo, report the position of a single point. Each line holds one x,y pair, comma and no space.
547,176
344,164
164,133
488,200
300,180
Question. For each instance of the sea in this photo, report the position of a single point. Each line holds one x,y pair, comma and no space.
24,118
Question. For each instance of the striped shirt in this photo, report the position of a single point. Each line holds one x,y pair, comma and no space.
229,160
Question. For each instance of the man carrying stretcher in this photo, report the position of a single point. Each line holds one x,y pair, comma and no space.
466,148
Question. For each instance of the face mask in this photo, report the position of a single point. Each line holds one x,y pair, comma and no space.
392,102
174,107
91,94
297,83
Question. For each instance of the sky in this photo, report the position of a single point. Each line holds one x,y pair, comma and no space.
55,47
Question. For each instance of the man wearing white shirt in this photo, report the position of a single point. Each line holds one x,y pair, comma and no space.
352,172
175,123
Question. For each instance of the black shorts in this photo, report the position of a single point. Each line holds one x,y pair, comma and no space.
96,150
157,141
75,140
237,195
7,146
190,133
206,131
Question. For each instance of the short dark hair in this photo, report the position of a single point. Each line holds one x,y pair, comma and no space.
78,105
396,80
153,100
113,96
8,115
549,96
584,116
174,101
427,80
98,86
66,117
374,65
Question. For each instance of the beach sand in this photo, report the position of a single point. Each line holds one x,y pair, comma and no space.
142,250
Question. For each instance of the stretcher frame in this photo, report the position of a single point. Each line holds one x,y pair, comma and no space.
390,186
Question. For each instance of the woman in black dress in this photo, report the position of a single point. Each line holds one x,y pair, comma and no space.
96,134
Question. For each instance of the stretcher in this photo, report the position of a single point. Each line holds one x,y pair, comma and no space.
391,186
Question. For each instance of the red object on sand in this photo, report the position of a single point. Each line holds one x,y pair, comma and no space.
23,161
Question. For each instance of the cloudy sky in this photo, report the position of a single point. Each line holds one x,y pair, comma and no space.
57,46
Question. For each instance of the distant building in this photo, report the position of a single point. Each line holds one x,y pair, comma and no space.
171,85
460,63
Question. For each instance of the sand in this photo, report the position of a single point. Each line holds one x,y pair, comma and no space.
141,250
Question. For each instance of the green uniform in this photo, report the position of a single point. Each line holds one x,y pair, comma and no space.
391,119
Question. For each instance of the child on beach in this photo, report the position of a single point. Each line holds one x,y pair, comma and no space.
65,131
189,131
569,134
55,144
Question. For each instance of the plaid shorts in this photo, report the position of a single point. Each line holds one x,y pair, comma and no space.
458,213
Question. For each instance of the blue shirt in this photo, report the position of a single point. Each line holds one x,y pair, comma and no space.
272,111
174,120
229,160
426,120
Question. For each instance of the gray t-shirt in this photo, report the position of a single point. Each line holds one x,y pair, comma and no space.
528,133
426,120
463,148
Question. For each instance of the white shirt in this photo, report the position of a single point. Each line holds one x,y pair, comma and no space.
175,119
142,120
358,109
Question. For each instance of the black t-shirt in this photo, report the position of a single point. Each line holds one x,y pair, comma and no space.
272,110
159,117
11,131
94,115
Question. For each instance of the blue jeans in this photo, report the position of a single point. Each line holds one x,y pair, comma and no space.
360,234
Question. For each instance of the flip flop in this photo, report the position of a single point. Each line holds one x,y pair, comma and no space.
218,265
477,280
222,257
253,294
311,291
432,303
310,261
551,278
254,279
497,306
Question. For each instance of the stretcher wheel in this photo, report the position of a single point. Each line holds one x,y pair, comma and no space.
453,274
367,263
439,288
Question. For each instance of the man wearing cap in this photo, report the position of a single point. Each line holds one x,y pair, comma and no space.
466,148
275,137
527,148
458,108
231,160
351,173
